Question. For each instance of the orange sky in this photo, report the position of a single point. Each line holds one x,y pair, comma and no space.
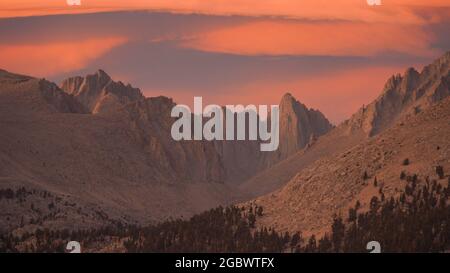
48,59
314,9
337,94
332,55
312,38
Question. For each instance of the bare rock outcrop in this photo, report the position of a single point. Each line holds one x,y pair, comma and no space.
402,95
298,125
181,161
104,146
409,120
99,93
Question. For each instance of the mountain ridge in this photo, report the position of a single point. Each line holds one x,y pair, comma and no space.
404,94
401,96
99,93
103,146
317,182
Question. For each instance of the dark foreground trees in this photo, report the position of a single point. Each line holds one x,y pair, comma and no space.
418,220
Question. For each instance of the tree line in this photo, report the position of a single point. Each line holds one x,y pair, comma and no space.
418,220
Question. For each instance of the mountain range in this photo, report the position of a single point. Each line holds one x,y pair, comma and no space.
102,145
94,151
405,130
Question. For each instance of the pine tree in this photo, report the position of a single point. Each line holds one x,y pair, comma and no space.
365,175
440,172
338,229
402,175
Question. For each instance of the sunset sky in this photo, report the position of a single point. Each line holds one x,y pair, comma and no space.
331,55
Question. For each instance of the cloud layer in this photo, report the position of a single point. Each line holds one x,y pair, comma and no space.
329,57
342,38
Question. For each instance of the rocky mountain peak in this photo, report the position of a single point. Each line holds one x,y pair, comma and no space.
99,93
287,99
102,76
443,63
392,83
404,95
298,125
58,99
440,67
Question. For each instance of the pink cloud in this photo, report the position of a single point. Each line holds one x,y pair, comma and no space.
55,57
317,38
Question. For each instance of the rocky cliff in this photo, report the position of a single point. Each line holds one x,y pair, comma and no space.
99,93
299,126
405,130
402,95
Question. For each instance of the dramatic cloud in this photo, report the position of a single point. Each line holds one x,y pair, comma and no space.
48,59
391,11
331,63
315,38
